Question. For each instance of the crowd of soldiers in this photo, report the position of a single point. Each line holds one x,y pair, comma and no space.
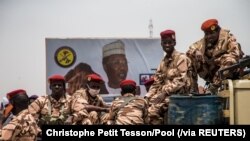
177,73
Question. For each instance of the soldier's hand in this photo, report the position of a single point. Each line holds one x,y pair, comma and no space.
199,56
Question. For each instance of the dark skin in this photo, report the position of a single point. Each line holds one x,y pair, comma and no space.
168,45
57,88
211,39
116,68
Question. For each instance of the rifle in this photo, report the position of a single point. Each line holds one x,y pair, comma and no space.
242,63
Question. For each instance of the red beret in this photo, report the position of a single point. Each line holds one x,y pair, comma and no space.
128,82
167,33
11,94
56,77
94,77
209,25
149,81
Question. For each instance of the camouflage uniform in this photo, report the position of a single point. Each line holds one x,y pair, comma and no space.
225,53
95,117
173,76
50,111
21,127
128,110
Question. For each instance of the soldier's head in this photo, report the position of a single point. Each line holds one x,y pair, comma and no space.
57,85
128,86
168,40
211,29
18,101
115,63
148,83
93,84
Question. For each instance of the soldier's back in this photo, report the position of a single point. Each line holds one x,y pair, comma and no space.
21,127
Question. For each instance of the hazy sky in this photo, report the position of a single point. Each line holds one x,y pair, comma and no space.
24,25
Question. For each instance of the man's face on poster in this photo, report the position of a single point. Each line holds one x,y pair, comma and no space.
116,67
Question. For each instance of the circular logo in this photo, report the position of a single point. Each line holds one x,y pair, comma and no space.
213,28
65,56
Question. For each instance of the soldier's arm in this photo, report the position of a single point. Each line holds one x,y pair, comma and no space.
78,109
90,108
181,80
10,131
36,107
103,103
195,52
234,48
157,81
145,111
112,114
191,51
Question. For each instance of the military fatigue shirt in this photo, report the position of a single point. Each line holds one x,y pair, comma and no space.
61,109
134,112
173,76
22,127
226,52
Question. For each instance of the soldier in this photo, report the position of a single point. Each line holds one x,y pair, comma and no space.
173,76
57,108
218,49
128,109
22,125
91,99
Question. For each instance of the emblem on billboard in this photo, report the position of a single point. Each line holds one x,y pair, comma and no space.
65,56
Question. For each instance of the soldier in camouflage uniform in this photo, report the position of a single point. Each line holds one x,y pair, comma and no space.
173,76
57,108
22,125
217,50
128,109
92,101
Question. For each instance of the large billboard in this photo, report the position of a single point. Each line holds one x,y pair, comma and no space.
113,59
